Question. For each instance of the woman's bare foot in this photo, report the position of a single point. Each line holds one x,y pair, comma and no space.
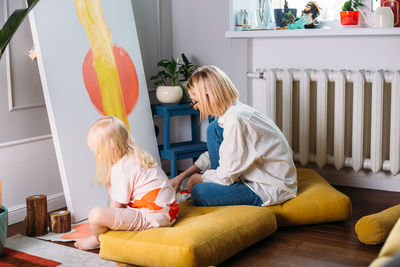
87,243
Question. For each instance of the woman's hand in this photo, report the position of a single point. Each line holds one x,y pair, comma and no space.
177,181
196,178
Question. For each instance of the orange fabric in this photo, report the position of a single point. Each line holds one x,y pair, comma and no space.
81,231
147,201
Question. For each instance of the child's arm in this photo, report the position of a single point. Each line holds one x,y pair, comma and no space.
114,204
176,182
108,187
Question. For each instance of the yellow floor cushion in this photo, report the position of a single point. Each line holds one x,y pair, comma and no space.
374,229
202,236
390,248
316,202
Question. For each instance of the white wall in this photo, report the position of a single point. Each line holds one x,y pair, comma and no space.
198,30
27,159
153,23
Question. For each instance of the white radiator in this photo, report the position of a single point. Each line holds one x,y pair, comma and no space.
382,155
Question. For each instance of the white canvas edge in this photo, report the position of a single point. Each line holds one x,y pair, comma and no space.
50,114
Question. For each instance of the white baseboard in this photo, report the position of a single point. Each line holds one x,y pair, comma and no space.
18,213
363,178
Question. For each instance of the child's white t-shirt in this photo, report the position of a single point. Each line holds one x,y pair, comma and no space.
147,190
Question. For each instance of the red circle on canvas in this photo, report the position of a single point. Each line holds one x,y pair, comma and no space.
127,77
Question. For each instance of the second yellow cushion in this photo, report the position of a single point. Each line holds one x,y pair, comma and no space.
374,229
316,202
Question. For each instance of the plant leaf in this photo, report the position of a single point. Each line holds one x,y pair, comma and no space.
12,24
347,6
185,59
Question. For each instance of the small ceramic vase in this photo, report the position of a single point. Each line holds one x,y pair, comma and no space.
383,17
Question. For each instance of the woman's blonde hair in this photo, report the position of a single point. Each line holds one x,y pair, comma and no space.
214,89
110,140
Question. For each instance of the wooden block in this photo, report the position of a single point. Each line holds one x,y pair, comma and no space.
60,221
36,220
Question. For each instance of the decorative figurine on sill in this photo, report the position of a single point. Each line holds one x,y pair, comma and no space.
308,19
298,23
310,14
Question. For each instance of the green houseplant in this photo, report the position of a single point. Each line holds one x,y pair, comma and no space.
350,12
6,33
186,69
12,24
168,90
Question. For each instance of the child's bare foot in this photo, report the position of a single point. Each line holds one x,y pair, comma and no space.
87,243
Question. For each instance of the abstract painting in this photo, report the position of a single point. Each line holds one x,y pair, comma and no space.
90,65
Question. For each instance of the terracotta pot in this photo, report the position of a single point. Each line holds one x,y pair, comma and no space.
349,17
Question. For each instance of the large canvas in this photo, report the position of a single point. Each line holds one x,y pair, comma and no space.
90,65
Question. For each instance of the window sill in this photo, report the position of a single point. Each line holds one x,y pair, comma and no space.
314,33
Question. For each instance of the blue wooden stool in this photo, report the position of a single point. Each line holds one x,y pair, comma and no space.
181,150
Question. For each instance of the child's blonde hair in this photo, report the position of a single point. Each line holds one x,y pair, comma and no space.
110,140
214,89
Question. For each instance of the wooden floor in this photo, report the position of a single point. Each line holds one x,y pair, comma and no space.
330,244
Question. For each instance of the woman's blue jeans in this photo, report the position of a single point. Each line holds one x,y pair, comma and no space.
212,194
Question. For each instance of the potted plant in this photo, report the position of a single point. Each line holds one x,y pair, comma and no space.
186,69
168,91
350,12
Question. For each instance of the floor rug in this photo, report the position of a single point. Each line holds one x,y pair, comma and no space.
28,251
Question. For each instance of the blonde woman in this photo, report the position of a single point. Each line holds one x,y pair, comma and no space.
140,194
249,161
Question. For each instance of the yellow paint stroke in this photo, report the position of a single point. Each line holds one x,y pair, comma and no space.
91,16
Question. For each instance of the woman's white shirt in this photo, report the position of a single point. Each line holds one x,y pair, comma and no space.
255,149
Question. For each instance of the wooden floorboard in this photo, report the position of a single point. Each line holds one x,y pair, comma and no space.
326,245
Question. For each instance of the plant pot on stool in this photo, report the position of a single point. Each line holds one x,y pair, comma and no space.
169,95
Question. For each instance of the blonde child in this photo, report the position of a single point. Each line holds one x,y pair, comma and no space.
139,191
249,161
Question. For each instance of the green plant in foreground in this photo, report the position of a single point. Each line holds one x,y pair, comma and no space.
351,5
12,24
